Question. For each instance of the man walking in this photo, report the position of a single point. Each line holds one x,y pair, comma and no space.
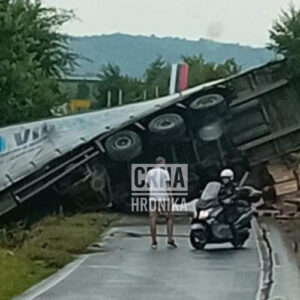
160,200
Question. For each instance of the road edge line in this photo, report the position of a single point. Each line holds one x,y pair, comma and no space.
266,266
50,282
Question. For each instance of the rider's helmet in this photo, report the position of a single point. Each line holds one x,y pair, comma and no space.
227,173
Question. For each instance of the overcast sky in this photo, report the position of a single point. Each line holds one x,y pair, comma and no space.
239,21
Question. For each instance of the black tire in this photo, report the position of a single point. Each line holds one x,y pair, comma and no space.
198,238
240,239
168,126
98,183
207,102
237,244
124,146
206,109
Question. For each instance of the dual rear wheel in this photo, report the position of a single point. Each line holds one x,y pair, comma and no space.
127,144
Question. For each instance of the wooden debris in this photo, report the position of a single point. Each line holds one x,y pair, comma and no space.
280,172
267,213
289,208
286,188
284,217
295,201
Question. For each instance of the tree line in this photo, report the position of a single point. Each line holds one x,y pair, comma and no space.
35,54
156,79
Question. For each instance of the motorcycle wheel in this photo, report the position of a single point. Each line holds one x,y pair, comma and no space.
198,239
239,240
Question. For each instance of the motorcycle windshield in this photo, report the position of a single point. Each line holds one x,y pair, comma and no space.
211,191
209,197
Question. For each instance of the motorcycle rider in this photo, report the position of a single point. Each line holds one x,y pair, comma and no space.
227,194
228,185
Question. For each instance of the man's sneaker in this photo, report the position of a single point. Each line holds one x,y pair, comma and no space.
154,246
172,245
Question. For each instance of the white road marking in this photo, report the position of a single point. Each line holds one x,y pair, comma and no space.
261,262
104,267
48,284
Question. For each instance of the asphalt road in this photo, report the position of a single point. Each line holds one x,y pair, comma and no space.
129,269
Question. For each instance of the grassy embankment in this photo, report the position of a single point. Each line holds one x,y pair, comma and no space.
28,256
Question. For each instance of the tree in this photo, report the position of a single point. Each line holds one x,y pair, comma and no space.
193,60
157,75
110,72
34,54
285,36
201,71
112,80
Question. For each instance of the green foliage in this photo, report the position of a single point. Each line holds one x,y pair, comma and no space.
201,71
156,79
26,261
155,83
157,76
33,55
112,80
285,36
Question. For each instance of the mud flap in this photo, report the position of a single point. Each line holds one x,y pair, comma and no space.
7,203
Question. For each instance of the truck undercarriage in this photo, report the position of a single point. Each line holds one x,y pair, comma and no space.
241,122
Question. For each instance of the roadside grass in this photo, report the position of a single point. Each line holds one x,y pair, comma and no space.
47,246
17,273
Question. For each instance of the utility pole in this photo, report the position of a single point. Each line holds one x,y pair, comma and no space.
108,99
120,97
157,91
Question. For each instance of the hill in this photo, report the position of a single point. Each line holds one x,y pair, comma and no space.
134,53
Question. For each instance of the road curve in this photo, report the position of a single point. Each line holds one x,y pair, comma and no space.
129,269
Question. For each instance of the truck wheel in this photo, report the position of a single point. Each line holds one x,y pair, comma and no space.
124,146
168,126
207,102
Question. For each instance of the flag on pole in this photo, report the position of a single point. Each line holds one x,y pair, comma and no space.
179,78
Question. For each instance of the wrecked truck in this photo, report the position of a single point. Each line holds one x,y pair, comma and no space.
83,161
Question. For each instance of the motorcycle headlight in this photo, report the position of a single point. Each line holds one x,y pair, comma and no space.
204,214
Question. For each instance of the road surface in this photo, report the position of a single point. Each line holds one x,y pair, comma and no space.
129,269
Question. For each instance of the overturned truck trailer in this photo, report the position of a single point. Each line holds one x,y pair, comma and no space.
84,160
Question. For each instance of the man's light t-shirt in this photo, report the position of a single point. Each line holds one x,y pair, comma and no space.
157,180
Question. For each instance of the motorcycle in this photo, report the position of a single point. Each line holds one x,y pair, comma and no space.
218,220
